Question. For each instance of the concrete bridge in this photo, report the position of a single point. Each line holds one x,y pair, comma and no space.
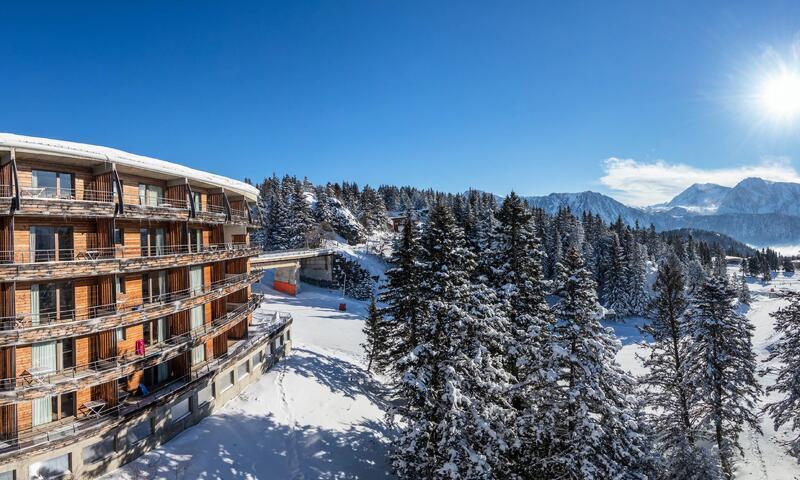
310,264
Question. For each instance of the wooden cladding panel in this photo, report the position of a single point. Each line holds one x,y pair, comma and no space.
177,193
6,180
221,344
8,422
130,185
22,359
107,392
216,200
217,234
176,234
100,188
24,415
7,299
6,234
26,164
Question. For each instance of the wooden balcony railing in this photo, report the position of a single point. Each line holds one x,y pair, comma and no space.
34,384
30,328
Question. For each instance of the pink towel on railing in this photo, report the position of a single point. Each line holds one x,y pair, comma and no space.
140,347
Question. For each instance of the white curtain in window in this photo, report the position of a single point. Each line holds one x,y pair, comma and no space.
196,279
142,194
162,329
198,354
160,241
42,410
32,250
197,316
43,356
34,304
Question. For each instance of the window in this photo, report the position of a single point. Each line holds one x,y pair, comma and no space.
9,475
205,395
258,358
119,283
198,201
195,240
63,406
225,382
198,354
179,410
51,184
41,410
98,451
196,279
120,334
154,286
152,241
150,195
56,467
50,244
52,301
243,370
67,353
288,335
138,433
119,236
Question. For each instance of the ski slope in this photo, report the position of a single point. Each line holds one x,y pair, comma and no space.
317,414
765,458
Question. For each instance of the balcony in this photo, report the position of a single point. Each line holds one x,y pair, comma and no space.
28,328
28,441
61,202
26,264
32,384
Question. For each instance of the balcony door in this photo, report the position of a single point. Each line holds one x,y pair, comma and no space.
50,244
52,302
43,360
150,195
153,241
51,184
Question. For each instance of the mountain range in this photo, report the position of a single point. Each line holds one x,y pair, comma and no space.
755,211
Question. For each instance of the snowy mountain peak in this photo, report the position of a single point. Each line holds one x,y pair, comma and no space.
699,198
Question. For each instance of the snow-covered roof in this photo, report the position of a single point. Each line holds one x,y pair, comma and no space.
121,158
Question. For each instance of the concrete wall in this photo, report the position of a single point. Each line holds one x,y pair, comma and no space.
287,280
317,270
120,443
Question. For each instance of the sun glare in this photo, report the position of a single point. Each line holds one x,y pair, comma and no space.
780,96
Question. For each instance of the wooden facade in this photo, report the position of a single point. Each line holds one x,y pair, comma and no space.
86,303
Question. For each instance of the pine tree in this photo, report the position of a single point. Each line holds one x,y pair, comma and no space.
637,297
721,367
667,387
278,224
515,266
375,337
616,288
786,350
591,421
452,385
402,295
301,221
744,291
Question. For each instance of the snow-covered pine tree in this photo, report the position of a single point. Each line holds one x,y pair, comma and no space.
788,266
278,223
372,210
637,297
515,266
668,392
405,309
590,421
451,385
786,350
720,261
744,291
323,213
301,221
617,284
375,337
721,368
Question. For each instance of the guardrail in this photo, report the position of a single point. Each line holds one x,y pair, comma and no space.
27,255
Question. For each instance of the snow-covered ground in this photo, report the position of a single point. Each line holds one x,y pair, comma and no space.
317,414
765,457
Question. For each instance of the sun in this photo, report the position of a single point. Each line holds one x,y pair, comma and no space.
780,96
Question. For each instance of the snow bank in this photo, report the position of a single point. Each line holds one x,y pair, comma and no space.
317,414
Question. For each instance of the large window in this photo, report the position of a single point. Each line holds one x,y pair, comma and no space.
50,244
52,468
51,184
154,286
52,302
150,195
196,240
152,241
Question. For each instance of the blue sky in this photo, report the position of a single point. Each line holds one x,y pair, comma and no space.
530,96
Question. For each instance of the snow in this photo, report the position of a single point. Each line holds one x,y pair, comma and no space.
317,414
765,458
106,154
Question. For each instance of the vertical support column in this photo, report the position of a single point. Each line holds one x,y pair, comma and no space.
120,209
287,279
227,206
16,201
190,194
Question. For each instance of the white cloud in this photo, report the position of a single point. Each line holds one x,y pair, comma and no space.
640,183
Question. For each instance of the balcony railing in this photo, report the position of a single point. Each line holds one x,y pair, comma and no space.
153,201
96,372
46,318
30,438
26,255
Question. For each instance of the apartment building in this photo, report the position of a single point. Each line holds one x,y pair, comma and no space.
126,307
